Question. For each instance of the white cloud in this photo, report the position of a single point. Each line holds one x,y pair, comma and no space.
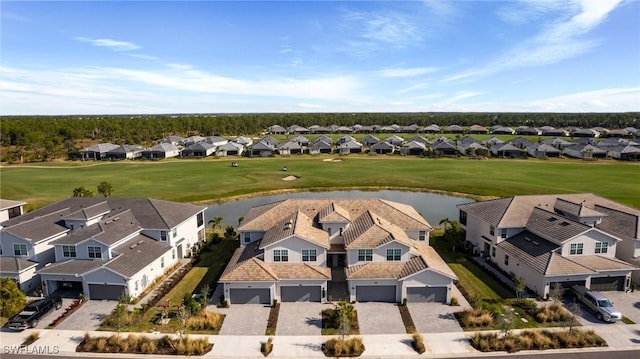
110,44
560,39
407,72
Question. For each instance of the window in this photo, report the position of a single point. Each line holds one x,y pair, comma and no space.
503,233
71,226
309,255
365,255
602,247
329,230
175,232
19,249
163,236
576,248
200,219
94,252
493,251
173,253
492,230
463,217
246,237
69,251
394,254
280,255
506,259
422,235
161,262
137,285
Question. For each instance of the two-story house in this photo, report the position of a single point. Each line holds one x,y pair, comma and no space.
104,247
297,249
558,240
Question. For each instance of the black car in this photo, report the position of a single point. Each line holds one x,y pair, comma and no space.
30,316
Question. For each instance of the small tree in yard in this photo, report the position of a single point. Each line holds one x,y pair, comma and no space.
555,292
215,221
119,316
453,232
182,315
520,286
506,323
12,299
345,312
576,312
105,189
204,296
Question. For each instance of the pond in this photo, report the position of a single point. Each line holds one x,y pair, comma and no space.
433,207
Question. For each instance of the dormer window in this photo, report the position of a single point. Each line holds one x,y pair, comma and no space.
94,252
576,248
163,236
422,235
602,247
394,255
20,249
492,230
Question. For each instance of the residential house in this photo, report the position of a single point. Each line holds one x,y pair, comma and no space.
348,147
492,141
323,138
277,130
550,131
199,149
394,140
454,129
444,148
382,148
324,249
507,150
244,141
478,130
161,150
261,149
413,147
125,152
319,129
289,148
97,152
556,240
230,149
627,153
193,140
585,132
301,140
22,271
104,247
411,128
528,131
432,129
420,139
176,140
521,142
220,141
502,130
587,151
10,209
297,130
369,140
542,150
319,147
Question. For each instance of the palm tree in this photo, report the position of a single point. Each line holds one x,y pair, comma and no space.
240,219
216,221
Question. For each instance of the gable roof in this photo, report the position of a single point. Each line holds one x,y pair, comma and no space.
334,213
110,230
135,254
15,264
371,231
297,224
550,225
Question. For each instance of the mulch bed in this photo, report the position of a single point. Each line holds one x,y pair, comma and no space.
409,326
272,322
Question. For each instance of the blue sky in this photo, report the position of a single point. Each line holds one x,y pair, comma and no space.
117,57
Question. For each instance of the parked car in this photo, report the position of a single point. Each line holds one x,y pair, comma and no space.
597,303
30,315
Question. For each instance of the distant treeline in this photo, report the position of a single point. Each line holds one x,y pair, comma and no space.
41,138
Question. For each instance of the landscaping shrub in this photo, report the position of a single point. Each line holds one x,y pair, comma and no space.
552,313
454,301
206,320
145,345
473,318
540,340
31,338
336,347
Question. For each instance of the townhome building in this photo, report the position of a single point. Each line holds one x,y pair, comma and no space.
328,249
557,240
105,248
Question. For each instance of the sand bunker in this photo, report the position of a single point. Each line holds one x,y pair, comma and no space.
290,178
332,160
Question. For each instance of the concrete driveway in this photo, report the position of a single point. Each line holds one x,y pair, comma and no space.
300,318
89,316
244,319
379,318
628,303
434,317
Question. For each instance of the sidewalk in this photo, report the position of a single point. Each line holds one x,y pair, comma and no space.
439,345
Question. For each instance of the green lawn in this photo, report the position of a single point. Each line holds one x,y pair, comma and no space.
208,180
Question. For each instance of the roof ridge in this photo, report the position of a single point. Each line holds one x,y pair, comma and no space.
315,268
153,205
262,264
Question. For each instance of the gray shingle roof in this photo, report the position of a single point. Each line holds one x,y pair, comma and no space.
554,227
113,228
71,267
135,254
38,228
490,211
15,264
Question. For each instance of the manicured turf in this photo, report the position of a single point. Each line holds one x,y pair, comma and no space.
214,179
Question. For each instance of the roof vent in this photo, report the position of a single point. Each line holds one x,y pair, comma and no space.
527,239
552,219
536,243
564,224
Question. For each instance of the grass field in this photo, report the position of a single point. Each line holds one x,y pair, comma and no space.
208,180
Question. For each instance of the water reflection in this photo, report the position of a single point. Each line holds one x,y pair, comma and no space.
433,207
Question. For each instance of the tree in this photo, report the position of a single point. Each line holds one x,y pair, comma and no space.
12,299
216,221
345,312
204,296
119,315
520,286
555,292
576,312
105,189
229,232
453,232
240,219
82,192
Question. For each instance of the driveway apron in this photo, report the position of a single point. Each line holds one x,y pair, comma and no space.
244,319
434,317
379,318
89,316
300,318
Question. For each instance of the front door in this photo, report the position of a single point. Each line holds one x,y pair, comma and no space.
487,249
